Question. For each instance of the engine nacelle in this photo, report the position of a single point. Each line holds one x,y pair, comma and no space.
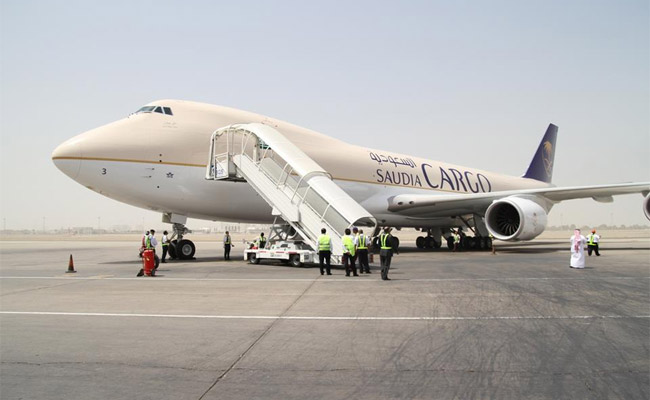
515,218
646,206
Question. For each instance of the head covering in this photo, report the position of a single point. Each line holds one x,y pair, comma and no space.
576,240
593,231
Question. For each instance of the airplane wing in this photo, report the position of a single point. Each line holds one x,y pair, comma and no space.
440,205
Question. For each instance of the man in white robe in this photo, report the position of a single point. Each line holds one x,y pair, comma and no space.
577,250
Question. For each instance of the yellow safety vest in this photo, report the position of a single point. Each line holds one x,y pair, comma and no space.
348,242
324,243
383,239
147,243
362,243
591,239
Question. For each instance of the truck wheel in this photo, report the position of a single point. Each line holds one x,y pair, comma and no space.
295,261
185,249
253,258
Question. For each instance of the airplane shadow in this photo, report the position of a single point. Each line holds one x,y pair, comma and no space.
519,248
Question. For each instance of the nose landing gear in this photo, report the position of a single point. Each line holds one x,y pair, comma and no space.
182,249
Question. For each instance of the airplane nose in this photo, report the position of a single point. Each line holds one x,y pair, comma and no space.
67,157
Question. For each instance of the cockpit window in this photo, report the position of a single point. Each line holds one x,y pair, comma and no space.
158,109
145,109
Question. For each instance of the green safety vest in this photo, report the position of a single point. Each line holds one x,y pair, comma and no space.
262,239
348,242
591,239
147,243
382,239
324,243
456,238
362,243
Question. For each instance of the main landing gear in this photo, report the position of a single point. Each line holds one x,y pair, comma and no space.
480,243
182,249
433,240
436,237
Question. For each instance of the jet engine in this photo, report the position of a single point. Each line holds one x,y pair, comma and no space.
515,218
646,206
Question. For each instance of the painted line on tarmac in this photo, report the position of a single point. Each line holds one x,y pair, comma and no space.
157,278
162,278
316,318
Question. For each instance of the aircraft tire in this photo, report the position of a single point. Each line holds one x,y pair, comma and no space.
428,242
436,244
171,250
295,261
185,249
421,242
488,243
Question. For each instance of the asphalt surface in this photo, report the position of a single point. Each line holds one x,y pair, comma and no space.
470,325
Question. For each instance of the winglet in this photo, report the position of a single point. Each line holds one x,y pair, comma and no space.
541,167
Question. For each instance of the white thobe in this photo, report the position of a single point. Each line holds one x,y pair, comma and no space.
578,257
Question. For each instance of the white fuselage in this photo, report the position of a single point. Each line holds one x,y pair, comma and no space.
157,162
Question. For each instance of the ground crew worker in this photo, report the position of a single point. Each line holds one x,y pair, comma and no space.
324,251
143,247
362,252
355,240
227,244
494,249
165,245
150,244
456,237
261,241
385,252
592,242
349,251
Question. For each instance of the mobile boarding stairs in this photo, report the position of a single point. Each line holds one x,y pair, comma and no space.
299,190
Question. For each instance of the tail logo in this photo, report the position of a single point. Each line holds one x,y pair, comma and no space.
547,157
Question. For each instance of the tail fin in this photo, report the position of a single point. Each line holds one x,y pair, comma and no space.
541,167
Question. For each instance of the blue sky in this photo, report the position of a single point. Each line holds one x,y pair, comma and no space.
473,83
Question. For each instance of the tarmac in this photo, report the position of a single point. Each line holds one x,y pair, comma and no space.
471,325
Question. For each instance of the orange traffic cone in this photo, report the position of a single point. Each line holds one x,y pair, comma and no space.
70,266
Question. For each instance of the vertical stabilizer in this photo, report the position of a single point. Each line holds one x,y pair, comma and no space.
541,167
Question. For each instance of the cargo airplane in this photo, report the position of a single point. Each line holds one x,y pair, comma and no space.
156,159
